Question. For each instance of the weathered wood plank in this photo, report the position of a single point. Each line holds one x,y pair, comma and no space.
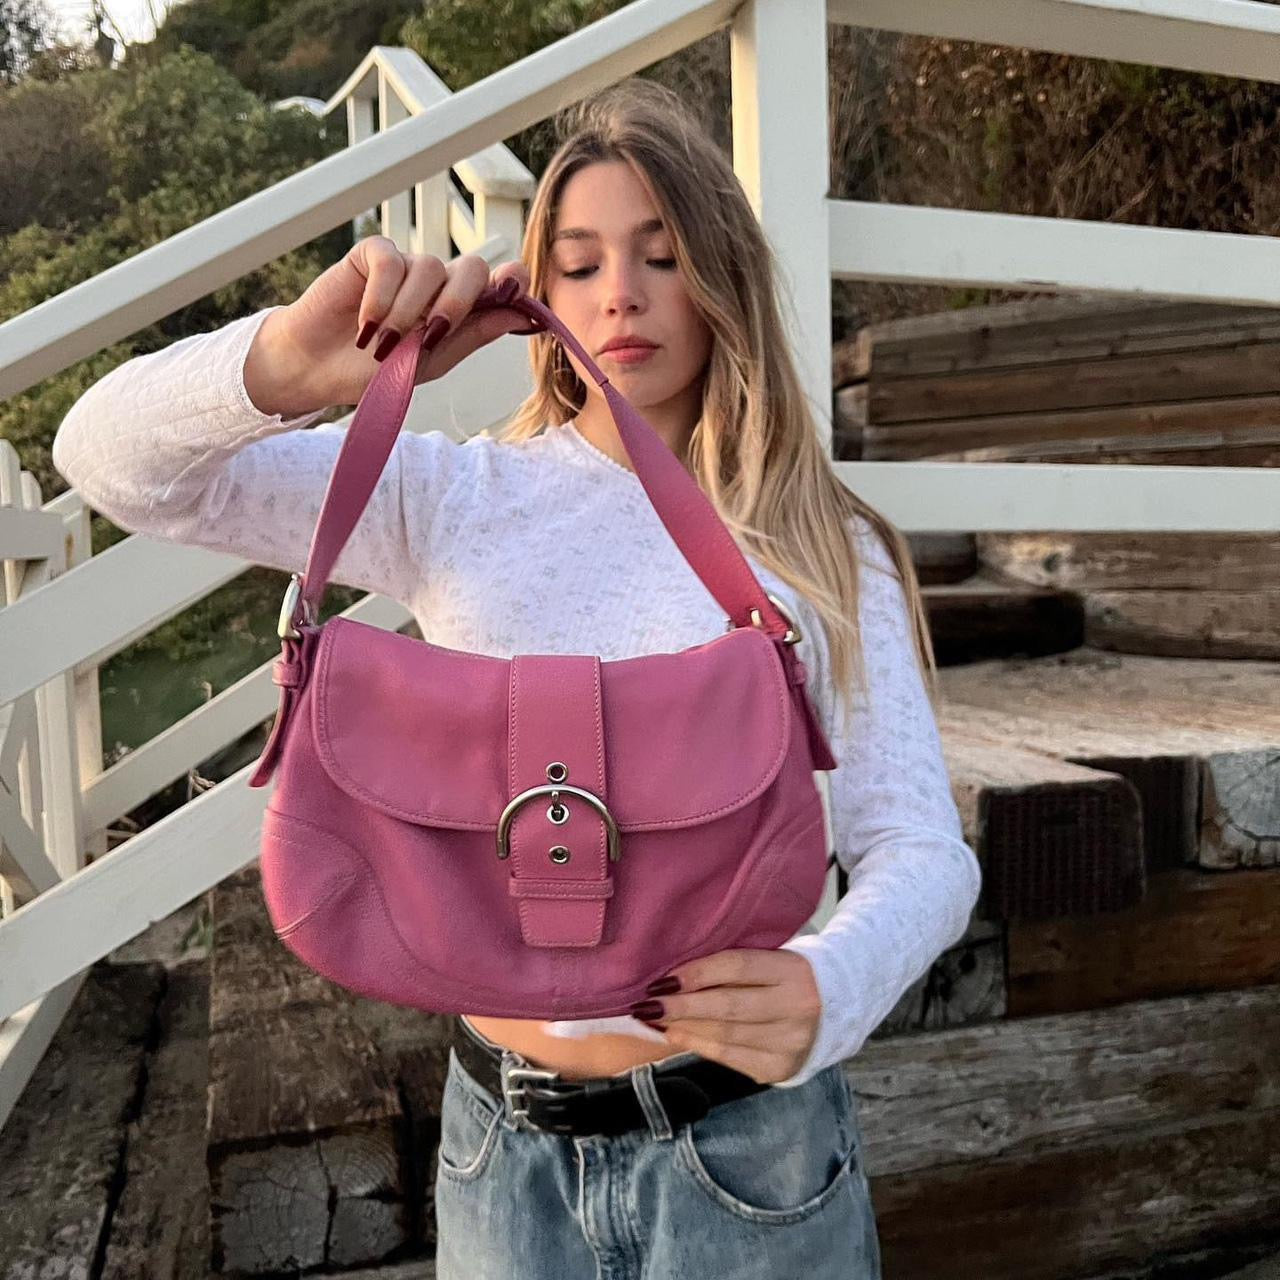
1165,774
1024,1085
304,1118
1133,561
1185,624
1036,330
943,557
1224,713
964,985
1137,381
1195,931
160,1228
1038,1148
1108,1201
981,618
1194,423
1053,838
1157,451
63,1147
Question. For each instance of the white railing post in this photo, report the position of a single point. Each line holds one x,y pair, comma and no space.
778,64
360,125
395,208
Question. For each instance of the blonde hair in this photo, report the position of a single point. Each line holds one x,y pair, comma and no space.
755,450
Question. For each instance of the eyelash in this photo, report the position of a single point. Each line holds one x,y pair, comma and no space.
579,274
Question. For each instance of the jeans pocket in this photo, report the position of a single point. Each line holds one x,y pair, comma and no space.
470,1128
777,1156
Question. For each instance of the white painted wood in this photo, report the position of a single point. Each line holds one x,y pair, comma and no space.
233,712
1221,37
85,695
478,393
1018,251
17,722
395,207
27,535
102,606
114,899
55,723
778,63
220,249
933,497
27,1034
22,856
494,171
360,125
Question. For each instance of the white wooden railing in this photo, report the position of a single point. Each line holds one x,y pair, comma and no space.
66,612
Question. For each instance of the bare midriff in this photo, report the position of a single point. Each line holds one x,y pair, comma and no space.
595,1055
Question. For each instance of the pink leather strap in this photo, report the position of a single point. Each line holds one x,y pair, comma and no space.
683,508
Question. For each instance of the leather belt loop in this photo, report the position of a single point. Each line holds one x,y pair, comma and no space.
561,874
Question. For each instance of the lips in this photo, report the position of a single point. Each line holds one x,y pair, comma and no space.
627,344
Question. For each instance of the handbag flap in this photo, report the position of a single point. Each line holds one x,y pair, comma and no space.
420,731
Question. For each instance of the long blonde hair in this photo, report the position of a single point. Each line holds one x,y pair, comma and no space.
755,449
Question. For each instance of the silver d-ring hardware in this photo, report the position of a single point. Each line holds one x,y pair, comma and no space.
514,805
292,593
792,636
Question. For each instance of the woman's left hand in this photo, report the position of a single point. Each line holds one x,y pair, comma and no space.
755,1010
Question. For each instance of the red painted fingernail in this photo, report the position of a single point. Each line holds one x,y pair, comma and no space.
648,1010
370,328
436,328
387,345
663,986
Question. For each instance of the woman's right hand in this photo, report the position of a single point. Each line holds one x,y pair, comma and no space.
304,355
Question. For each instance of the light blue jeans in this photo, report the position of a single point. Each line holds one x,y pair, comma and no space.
762,1188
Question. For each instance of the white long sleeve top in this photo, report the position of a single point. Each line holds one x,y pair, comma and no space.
546,546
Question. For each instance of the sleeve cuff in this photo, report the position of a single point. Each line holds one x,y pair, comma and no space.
827,1044
237,355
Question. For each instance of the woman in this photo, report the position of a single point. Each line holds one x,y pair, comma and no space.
713,1131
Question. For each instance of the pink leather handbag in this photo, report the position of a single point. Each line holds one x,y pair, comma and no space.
539,836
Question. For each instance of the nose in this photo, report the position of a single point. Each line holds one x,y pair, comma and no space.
623,294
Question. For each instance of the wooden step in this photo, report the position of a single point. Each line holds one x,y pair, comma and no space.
1044,1148
1193,931
63,1148
1088,562
1185,624
1033,331
985,617
1053,838
1193,736
323,1106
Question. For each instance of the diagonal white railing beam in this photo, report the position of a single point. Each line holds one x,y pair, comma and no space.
210,727
221,249
146,878
1217,37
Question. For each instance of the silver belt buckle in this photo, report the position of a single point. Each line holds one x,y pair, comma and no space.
508,1071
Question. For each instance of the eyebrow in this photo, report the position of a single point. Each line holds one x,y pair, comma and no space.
585,233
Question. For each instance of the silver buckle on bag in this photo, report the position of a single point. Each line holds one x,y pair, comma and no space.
553,790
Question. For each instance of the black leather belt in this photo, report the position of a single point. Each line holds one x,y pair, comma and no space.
688,1087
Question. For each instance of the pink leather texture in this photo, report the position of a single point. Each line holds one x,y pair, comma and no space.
686,820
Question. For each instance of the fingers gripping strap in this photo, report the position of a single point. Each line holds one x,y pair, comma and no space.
686,512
